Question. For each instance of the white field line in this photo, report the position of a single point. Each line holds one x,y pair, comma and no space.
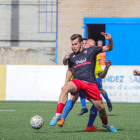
7,110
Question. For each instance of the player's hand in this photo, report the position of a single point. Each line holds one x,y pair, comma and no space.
108,63
67,55
136,73
106,35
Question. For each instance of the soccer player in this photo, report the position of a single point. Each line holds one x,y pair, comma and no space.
83,100
65,62
70,103
136,73
99,43
84,42
98,70
99,80
83,63
103,54
93,111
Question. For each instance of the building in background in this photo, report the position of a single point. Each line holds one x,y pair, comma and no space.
38,31
28,31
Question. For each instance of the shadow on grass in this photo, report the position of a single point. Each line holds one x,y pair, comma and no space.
40,132
105,130
65,131
127,130
109,115
78,131
71,131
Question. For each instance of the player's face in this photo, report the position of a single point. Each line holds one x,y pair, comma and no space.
84,43
76,45
99,44
90,44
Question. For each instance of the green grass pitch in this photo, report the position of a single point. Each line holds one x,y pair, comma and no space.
15,125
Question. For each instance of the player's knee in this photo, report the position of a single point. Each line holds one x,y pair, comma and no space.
74,98
65,89
101,107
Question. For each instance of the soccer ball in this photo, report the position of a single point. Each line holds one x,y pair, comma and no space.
36,122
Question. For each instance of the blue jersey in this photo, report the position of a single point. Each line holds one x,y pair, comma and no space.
84,64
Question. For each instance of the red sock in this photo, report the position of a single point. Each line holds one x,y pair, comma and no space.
104,120
60,107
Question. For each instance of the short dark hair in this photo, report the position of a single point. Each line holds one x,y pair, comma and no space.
85,39
75,36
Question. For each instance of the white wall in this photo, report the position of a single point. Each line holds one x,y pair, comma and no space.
32,82
121,85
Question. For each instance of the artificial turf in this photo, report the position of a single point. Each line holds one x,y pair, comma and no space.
15,122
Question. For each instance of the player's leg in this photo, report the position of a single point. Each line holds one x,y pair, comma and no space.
83,103
93,93
93,114
103,116
69,105
104,93
68,108
69,87
99,105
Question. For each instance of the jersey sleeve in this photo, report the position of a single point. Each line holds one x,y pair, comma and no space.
70,64
98,68
98,57
96,49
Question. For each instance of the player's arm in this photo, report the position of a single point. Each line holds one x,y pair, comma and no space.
65,60
69,71
68,74
104,73
136,73
109,46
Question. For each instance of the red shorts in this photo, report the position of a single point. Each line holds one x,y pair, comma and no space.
90,89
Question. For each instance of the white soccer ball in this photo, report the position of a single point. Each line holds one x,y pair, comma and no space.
36,122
